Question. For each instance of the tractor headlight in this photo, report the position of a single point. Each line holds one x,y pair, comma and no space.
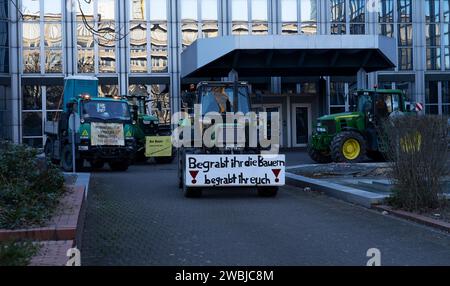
321,129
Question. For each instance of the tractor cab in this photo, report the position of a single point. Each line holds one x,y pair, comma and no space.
377,105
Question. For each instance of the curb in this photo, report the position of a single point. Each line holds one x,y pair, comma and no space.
349,194
445,226
61,226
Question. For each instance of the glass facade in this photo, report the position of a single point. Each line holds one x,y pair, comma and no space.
142,43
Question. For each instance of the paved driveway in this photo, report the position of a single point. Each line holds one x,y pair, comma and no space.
140,217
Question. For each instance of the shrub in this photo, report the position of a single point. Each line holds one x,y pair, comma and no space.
17,253
30,187
417,149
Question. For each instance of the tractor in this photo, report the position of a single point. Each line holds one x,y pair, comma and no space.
147,128
350,137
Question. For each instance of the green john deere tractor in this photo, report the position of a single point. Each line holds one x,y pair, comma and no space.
147,128
349,137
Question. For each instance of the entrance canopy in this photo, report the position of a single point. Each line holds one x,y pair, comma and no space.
286,55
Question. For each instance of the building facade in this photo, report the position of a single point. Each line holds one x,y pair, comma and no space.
135,46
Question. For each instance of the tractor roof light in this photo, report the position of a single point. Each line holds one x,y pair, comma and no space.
116,97
85,97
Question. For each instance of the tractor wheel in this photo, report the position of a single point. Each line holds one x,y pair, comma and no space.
318,156
348,147
49,149
267,191
66,160
119,166
375,156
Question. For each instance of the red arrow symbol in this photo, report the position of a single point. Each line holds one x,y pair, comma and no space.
193,175
276,172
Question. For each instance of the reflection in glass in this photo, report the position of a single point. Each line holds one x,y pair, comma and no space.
209,10
210,29
158,10
357,17
138,35
338,16
433,34
53,35
189,10
259,10
189,32
138,9
159,99
240,28
108,90
106,10
405,34
53,116
31,61
159,51
33,142
85,60
289,28
260,28
433,58
32,123
53,61
138,60
54,97
107,60
239,10
405,59
87,9
52,10
32,97
31,9
107,37
289,11
85,38
31,35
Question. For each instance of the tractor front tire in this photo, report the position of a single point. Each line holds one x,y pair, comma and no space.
318,156
66,160
348,147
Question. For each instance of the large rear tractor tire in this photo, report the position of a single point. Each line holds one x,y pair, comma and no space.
66,160
319,156
348,147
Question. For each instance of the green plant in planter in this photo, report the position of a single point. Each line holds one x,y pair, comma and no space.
30,187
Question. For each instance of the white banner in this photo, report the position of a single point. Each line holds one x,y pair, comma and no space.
235,170
107,134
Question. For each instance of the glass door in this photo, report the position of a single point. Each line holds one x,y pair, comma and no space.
301,124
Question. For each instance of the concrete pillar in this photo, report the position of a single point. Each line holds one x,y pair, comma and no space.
14,105
121,46
419,52
361,79
174,55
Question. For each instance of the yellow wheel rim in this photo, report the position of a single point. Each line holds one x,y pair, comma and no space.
351,149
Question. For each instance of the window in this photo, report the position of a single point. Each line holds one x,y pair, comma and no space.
159,100
386,18
148,36
4,41
299,16
445,33
357,17
42,54
249,17
337,96
432,97
199,18
32,121
433,34
405,31
96,50
338,17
